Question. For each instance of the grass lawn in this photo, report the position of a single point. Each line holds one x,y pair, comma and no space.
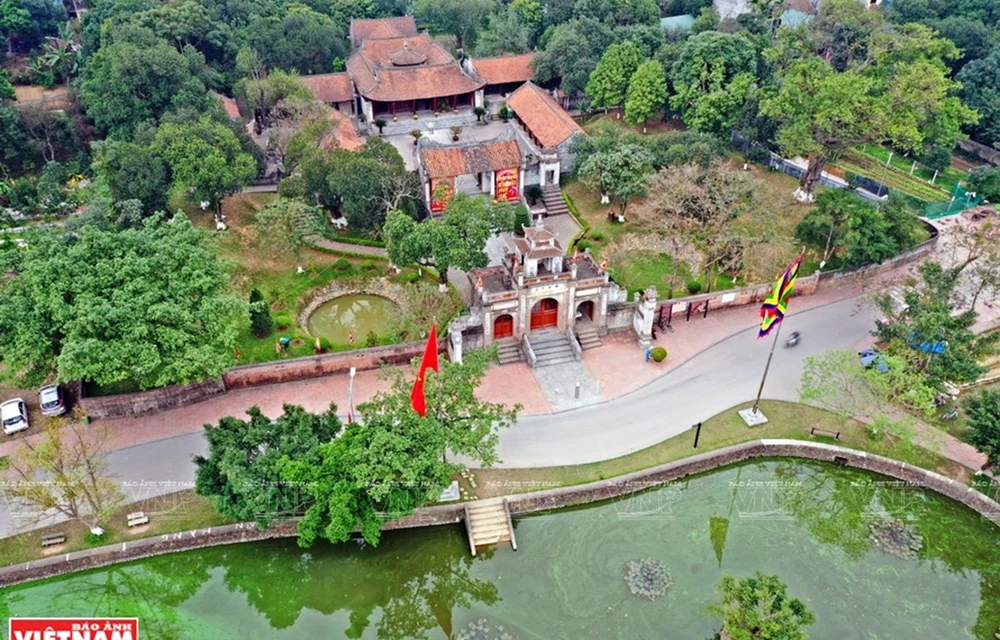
168,514
653,126
785,420
865,165
902,163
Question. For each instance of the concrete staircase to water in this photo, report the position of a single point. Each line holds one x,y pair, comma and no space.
555,204
551,347
488,522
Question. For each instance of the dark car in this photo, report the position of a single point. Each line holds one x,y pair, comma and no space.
50,399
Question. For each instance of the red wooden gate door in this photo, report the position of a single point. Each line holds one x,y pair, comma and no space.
544,314
503,327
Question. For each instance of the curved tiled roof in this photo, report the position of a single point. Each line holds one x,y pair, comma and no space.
382,28
407,57
470,158
542,116
330,87
505,69
341,135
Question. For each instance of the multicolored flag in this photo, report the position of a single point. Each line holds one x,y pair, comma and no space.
430,361
776,304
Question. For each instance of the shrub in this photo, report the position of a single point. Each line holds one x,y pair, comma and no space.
342,265
283,320
659,354
371,340
261,323
533,193
596,236
522,218
583,245
368,265
411,277
693,286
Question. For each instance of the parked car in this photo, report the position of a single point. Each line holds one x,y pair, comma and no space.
14,415
50,399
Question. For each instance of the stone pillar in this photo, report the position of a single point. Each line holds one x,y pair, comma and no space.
492,177
602,312
487,328
522,311
479,98
571,299
455,346
642,322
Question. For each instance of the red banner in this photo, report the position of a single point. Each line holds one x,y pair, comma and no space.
507,184
442,190
73,629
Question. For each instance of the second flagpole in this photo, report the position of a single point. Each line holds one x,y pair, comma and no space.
770,355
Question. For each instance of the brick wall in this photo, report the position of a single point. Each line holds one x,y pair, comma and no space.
253,375
147,402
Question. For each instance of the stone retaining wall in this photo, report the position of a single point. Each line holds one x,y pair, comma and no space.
521,504
147,402
379,287
252,375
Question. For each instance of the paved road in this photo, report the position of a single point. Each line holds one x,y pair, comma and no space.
722,376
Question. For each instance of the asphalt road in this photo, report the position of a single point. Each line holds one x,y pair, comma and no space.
716,379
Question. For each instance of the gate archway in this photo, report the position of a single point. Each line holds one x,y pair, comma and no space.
545,314
503,326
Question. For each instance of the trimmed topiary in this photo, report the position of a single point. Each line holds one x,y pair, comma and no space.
659,354
693,286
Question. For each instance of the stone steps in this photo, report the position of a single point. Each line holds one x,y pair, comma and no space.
487,522
551,348
555,204
588,338
510,351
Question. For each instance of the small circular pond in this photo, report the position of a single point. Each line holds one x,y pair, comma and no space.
827,532
337,319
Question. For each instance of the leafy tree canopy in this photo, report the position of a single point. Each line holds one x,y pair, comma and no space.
460,18
392,461
149,305
983,416
610,79
241,474
620,173
300,39
758,608
506,34
981,91
134,172
647,93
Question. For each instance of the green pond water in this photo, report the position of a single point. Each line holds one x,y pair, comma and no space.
337,319
805,521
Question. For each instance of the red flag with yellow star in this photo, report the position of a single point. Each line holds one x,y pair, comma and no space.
430,361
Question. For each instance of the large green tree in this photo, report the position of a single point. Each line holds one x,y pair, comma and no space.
457,239
647,93
241,474
206,158
981,90
882,85
460,18
983,417
929,318
505,34
134,172
758,608
393,461
610,79
301,39
571,53
150,305
620,174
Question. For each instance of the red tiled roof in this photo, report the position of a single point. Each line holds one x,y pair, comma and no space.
380,53
505,69
330,87
805,6
382,28
541,114
445,162
342,135
230,106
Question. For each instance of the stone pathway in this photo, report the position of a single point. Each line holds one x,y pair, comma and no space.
558,384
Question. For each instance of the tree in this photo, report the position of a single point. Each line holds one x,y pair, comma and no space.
619,174
279,95
620,12
457,239
205,157
300,40
286,224
150,305
985,182
261,322
136,78
571,53
759,607
242,473
505,34
134,172
460,18
887,86
66,472
14,20
610,79
826,223
982,411
929,318
531,14
712,78
868,239
647,93
392,462
6,88
980,81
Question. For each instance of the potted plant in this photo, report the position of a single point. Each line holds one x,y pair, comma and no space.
417,134
416,117
395,118
455,132
480,112
380,123
445,105
659,354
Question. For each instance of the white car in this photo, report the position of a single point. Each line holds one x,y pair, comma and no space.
50,399
14,414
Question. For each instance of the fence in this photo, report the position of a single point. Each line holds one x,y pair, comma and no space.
960,201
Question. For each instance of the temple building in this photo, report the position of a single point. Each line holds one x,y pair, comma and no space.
491,168
410,74
548,128
335,90
502,74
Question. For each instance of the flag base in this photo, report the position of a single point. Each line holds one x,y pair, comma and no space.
752,419
451,493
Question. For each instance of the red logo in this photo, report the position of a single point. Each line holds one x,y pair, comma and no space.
74,629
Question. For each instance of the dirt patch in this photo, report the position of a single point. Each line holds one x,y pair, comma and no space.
50,99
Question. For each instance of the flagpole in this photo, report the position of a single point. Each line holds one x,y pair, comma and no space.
770,355
350,397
